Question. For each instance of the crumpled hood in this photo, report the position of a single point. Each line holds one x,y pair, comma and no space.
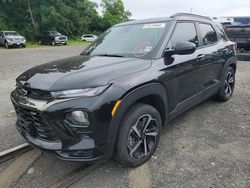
80,72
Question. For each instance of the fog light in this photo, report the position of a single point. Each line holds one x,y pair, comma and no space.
78,117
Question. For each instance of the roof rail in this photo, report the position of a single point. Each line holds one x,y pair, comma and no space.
190,15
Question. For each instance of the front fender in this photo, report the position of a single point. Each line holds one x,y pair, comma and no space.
130,98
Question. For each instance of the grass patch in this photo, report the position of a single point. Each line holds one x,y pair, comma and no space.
77,43
32,45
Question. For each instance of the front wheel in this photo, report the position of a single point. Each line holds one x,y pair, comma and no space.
138,136
53,43
227,88
7,45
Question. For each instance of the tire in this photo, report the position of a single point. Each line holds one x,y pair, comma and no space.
6,45
228,83
40,42
53,43
130,150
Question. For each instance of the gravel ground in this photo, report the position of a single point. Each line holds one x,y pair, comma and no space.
12,63
208,146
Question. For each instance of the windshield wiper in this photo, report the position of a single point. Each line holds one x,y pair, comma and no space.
110,55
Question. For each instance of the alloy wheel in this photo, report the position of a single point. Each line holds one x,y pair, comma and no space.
142,137
229,84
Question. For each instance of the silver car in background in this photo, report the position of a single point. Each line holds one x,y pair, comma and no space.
88,38
11,39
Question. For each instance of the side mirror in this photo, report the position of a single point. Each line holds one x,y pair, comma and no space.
182,48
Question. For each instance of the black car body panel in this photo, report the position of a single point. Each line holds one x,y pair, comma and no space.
171,84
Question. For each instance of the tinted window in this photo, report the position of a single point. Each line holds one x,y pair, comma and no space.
208,34
184,32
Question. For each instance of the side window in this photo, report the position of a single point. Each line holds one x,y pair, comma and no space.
208,34
184,32
1,34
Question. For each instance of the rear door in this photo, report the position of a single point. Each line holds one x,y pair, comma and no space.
211,58
46,37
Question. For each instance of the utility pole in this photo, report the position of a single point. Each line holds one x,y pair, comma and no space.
31,16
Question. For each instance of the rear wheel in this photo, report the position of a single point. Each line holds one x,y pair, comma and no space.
138,136
227,87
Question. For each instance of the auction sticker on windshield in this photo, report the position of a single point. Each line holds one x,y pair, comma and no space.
154,26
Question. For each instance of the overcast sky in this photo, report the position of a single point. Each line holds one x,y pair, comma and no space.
161,8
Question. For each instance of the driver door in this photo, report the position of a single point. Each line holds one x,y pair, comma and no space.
187,72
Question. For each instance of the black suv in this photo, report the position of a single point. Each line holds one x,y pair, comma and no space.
52,37
116,96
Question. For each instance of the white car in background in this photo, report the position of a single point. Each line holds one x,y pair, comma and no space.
88,38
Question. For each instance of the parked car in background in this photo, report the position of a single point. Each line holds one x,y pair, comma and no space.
117,95
12,39
88,38
52,37
239,34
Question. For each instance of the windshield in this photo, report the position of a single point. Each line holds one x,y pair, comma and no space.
128,40
8,33
54,33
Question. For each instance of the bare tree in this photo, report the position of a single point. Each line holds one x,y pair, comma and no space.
31,16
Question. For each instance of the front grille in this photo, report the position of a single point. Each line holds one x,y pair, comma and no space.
62,38
17,40
34,124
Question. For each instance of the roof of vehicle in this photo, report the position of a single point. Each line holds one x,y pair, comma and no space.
177,16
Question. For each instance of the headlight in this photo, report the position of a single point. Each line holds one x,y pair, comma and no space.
56,38
88,92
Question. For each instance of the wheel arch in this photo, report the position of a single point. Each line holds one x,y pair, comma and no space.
231,62
153,94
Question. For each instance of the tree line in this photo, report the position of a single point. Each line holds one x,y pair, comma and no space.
70,17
